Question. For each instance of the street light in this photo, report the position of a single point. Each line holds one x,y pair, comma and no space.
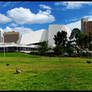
4,47
4,51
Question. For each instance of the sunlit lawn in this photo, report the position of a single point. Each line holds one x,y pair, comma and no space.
44,73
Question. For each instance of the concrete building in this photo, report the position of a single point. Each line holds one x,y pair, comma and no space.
11,37
44,35
34,37
86,26
13,41
53,29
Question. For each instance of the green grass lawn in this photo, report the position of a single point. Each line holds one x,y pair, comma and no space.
44,73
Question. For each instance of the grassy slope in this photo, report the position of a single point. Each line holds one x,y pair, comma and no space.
44,73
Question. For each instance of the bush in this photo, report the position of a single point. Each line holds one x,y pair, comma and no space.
71,51
43,47
58,50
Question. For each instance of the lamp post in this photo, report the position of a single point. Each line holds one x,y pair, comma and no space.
4,47
4,51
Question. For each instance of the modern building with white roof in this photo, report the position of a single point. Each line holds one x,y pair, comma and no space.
29,39
53,29
34,37
44,35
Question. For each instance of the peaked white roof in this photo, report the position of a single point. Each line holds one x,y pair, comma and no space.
53,29
34,37
44,35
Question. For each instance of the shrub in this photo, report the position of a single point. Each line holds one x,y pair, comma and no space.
58,50
70,51
43,47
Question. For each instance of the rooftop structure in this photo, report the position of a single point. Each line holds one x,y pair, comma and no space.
34,37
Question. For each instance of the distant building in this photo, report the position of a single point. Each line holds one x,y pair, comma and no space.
86,26
53,29
11,37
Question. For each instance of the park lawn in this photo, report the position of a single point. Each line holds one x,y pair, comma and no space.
44,73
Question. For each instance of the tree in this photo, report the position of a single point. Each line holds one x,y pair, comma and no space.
58,50
43,47
60,38
79,37
60,41
83,41
90,39
75,33
70,50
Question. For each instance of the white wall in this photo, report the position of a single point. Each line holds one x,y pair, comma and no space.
44,35
53,29
34,37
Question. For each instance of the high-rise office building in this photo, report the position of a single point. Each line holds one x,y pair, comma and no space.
86,26
11,37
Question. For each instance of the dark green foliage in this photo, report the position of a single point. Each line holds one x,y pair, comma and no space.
75,33
90,46
70,51
58,50
81,40
43,47
61,38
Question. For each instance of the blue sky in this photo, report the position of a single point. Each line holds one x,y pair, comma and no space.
36,15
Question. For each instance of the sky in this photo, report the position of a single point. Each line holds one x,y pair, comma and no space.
26,16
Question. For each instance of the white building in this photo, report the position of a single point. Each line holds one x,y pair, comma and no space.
53,29
44,35
34,37
26,42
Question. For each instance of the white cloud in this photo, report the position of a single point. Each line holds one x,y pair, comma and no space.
21,30
45,6
73,4
4,19
88,17
25,16
71,20
5,4
13,24
1,30
7,29
77,24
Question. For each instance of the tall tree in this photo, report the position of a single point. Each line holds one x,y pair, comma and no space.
75,33
61,38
